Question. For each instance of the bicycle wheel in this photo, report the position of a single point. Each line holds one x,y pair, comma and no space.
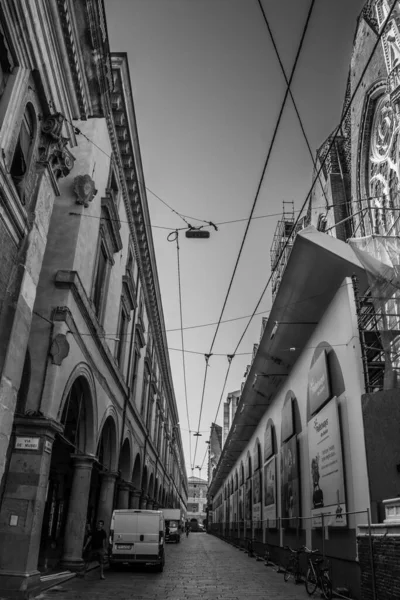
289,571
311,582
326,587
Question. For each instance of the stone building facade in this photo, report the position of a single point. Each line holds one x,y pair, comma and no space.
197,502
314,450
88,417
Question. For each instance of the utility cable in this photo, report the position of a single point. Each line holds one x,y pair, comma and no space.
291,95
182,343
77,131
272,143
344,116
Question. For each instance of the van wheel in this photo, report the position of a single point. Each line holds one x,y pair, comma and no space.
160,568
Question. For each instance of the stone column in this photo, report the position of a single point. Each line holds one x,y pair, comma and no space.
106,499
134,499
23,503
124,489
149,504
143,502
77,512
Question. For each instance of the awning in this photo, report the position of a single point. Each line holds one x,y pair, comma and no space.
316,268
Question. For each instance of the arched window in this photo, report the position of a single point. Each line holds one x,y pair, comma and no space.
23,152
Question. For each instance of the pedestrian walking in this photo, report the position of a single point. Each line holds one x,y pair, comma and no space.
96,542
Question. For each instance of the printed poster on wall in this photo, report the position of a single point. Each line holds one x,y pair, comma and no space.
257,496
235,506
268,443
241,510
270,492
290,483
319,388
326,467
248,504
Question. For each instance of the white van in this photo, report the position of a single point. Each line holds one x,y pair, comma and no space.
137,537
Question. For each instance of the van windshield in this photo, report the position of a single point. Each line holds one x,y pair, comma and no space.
173,523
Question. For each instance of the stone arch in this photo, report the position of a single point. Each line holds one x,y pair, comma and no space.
336,379
257,456
156,484
137,472
242,473
125,460
145,480
270,443
84,377
249,471
107,447
151,486
291,420
236,480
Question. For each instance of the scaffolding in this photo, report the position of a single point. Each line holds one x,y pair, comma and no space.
282,243
378,310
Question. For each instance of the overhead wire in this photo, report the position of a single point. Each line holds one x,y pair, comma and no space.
266,21
182,343
77,131
272,143
322,164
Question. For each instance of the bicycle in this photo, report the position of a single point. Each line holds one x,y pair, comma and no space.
317,576
293,566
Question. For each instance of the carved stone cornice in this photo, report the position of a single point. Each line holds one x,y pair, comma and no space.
121,113
73,56
86,40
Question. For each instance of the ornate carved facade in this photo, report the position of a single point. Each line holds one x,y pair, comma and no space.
84,366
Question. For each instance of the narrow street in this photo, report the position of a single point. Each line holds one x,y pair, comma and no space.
201,566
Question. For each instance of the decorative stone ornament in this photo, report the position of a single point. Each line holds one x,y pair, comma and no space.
53,149
84,189
59,349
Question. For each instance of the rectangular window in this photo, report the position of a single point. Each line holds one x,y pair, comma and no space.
100,280
145,392
122,339
135,367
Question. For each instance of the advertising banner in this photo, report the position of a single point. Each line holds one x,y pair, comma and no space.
235,506
257,496
248,504
270,503
319,389
290,483
268,443
287,427
326,467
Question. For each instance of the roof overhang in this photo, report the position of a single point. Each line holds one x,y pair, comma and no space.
316,268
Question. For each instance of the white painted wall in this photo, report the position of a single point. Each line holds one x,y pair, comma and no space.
338,327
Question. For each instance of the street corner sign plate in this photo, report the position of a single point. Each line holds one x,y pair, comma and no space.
27,443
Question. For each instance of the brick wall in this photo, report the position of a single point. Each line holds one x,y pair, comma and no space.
386,553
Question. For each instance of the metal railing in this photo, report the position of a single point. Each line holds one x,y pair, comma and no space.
266,540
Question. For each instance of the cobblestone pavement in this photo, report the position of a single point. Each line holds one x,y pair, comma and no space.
201,567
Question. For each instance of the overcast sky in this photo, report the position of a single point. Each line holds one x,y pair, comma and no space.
207,91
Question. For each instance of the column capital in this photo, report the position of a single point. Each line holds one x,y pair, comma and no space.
83,461
109,475
125,485
37,425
